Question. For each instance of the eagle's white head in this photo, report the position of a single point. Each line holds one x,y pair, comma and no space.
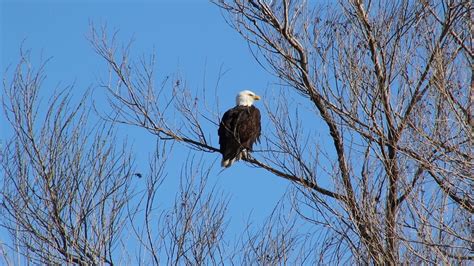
246,98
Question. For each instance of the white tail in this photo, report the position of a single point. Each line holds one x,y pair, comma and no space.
227,163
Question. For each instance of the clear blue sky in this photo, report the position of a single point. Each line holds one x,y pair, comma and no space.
188,36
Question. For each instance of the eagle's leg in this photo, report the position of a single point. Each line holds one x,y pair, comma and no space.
245,154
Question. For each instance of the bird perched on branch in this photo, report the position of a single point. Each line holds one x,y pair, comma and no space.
239,128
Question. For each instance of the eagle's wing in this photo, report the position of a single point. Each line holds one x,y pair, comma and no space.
249,127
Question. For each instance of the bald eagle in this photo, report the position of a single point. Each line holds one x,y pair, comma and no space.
239,128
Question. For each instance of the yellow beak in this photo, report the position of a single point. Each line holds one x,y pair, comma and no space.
256,97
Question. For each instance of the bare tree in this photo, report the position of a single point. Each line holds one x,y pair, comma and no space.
191,231
378,145
65,185
391,85
383,78
67,193
278,241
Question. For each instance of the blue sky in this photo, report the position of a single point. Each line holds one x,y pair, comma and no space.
189,37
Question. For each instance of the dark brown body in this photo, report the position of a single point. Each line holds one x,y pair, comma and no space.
238,131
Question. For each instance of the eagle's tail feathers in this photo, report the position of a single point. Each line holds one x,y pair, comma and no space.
227,163
242,154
